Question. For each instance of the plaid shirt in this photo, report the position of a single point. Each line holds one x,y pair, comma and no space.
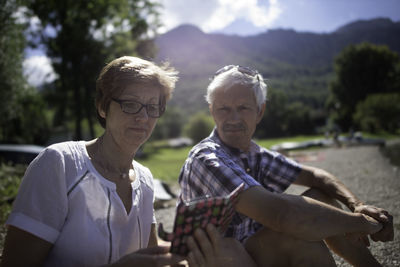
212,168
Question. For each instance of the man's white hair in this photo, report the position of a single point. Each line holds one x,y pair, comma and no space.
234,77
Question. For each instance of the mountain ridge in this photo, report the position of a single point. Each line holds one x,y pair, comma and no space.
294,62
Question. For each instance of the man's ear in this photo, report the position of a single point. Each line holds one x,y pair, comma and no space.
261,113
210,107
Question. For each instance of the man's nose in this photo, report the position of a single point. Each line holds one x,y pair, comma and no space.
234,116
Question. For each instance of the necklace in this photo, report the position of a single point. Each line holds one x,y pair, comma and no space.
123,175
130,174
108,168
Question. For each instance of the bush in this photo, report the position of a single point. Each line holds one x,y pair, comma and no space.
169,125
10,178
199,127
273,121
379,112
29,123
298,120
362,70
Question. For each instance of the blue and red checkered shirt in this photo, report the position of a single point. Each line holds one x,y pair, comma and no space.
215,169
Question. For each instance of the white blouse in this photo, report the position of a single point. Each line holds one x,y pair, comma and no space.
65,201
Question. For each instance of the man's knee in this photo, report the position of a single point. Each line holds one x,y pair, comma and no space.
321,196
268,247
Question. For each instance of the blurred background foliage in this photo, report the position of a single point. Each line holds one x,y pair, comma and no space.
79,37
347,80
363,71
199,126
10,178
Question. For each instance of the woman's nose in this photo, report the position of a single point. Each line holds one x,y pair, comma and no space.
142,114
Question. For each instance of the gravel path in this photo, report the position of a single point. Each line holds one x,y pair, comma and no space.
367,173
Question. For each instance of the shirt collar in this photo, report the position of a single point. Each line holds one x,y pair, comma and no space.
233,150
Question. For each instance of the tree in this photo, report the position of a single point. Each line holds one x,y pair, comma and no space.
379,112
80,37
22,110
273,121
361,70
298,119
170,124
29,125
12,43
199,126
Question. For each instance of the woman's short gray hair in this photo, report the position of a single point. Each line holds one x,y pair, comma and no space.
238,75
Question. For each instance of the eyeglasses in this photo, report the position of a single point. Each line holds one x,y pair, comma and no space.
134,107
245,70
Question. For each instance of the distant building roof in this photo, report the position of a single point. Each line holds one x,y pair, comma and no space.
16,154
21,148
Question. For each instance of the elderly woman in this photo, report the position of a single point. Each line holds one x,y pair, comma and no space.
90,203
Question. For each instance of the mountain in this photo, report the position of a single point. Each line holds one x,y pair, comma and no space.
380,24
298,63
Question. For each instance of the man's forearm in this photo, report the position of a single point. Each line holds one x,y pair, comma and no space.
329,184
301,217
314,220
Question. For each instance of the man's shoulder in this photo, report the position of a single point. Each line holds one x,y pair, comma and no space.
207,151
275,156
205,146
260,149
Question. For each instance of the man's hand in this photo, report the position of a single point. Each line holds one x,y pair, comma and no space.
382,216
213,250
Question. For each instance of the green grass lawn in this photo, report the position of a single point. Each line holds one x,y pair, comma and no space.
166,163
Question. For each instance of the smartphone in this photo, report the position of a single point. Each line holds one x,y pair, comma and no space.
198,213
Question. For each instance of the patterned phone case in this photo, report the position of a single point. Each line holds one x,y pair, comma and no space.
198,213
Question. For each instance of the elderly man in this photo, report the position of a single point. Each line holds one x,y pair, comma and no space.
276,229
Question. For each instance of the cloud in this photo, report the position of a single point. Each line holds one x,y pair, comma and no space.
250,10
38,70
176,12
213,15
264,17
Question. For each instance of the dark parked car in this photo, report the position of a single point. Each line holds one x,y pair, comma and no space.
19,154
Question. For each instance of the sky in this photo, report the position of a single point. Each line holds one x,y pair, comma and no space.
247,17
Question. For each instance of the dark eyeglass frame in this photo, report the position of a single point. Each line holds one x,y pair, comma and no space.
245,70
161,108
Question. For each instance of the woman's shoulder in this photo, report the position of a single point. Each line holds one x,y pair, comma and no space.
143,170
144,173
53,151
62,146
56,163
66,155
68,148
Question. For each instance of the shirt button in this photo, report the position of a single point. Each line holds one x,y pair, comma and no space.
248,170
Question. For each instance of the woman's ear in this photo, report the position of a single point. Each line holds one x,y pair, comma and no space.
101,111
